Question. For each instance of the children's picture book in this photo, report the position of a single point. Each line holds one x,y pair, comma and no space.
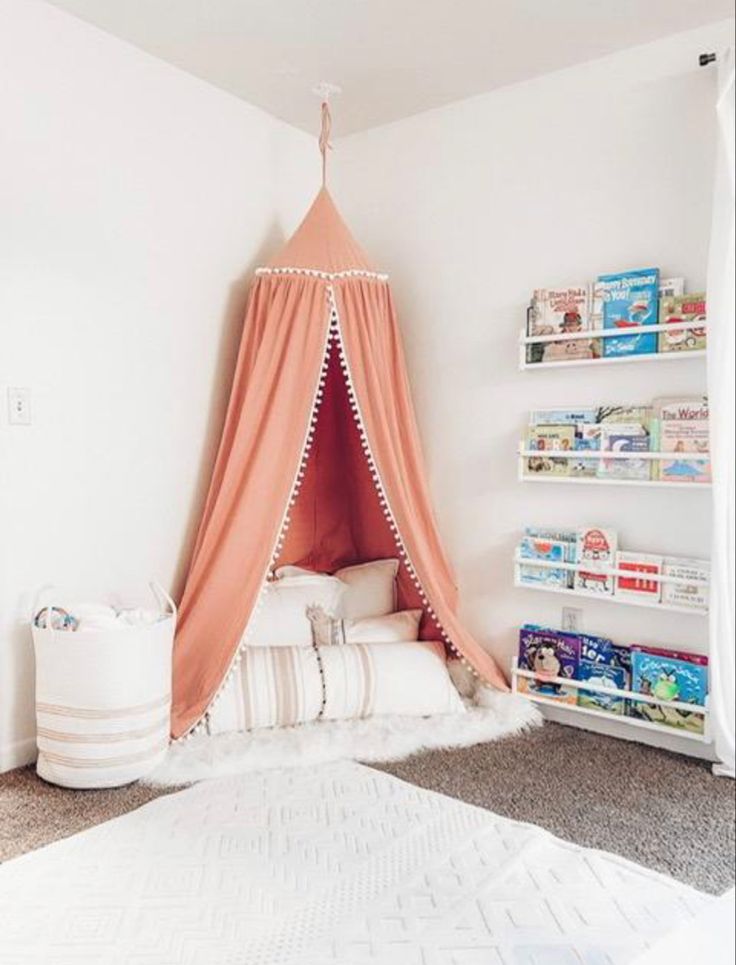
637,586
624,437
552,438
683,429
629,414
629,299
566,536
562,417
682,308
546,440
671,287
547,551
588,437
670,679
597,549
561,311
548,653
699,658
602,675
687,592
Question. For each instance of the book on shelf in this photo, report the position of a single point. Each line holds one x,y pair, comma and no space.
623,437
637,586
548,551
699,658
686,593
549,653
682,308
546,440
596,551
668,678
640,415
603,663
562,417
561,311
602,675
671,288
628,299
682,428
587,438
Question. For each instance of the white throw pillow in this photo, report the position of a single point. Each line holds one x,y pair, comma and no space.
282,686
371,587
281,620
392,628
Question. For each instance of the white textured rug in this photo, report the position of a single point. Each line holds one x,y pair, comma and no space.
372,739
330,865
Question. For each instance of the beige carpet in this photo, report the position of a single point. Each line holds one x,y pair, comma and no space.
664,811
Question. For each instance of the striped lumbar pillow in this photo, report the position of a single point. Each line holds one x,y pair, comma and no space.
282,686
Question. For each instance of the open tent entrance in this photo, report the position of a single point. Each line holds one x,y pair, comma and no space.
339,515
319,463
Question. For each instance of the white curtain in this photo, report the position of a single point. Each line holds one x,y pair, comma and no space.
721,383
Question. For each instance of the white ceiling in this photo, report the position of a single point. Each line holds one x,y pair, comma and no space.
392,58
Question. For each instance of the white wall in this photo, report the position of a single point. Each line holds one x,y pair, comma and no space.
601,167
134,203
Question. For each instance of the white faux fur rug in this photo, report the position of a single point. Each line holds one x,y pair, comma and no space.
372,739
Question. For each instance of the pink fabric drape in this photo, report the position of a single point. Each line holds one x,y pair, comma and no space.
378,371
337,518
266,424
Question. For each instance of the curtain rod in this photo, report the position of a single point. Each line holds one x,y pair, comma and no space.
705,59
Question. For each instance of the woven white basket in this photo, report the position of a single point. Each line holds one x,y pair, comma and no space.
103,700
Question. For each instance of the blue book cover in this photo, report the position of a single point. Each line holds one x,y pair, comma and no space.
668,678
602,675
549,551
629,299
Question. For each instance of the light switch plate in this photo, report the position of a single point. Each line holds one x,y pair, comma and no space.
19,406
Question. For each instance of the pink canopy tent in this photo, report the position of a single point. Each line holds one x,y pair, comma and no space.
319,463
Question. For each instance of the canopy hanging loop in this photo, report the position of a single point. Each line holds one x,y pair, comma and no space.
323,90
324,138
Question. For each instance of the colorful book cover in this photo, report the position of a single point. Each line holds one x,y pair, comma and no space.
630,299
698,658
561,311
669,679
671,287
562,417
546,440
630,414
602,675
682,308
548,551
596,549
637,586
686,593
684,430
624,437
548,653
587,438
566,536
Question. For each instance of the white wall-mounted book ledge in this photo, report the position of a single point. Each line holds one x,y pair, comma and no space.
599,333
631,695
586,455
628,600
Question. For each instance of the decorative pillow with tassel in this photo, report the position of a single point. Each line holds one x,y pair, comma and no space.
327,631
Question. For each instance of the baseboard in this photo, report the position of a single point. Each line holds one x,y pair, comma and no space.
17,754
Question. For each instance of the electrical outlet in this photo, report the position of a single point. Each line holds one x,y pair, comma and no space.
572,618
19,406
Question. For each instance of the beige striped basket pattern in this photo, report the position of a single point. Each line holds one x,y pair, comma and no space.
103,701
